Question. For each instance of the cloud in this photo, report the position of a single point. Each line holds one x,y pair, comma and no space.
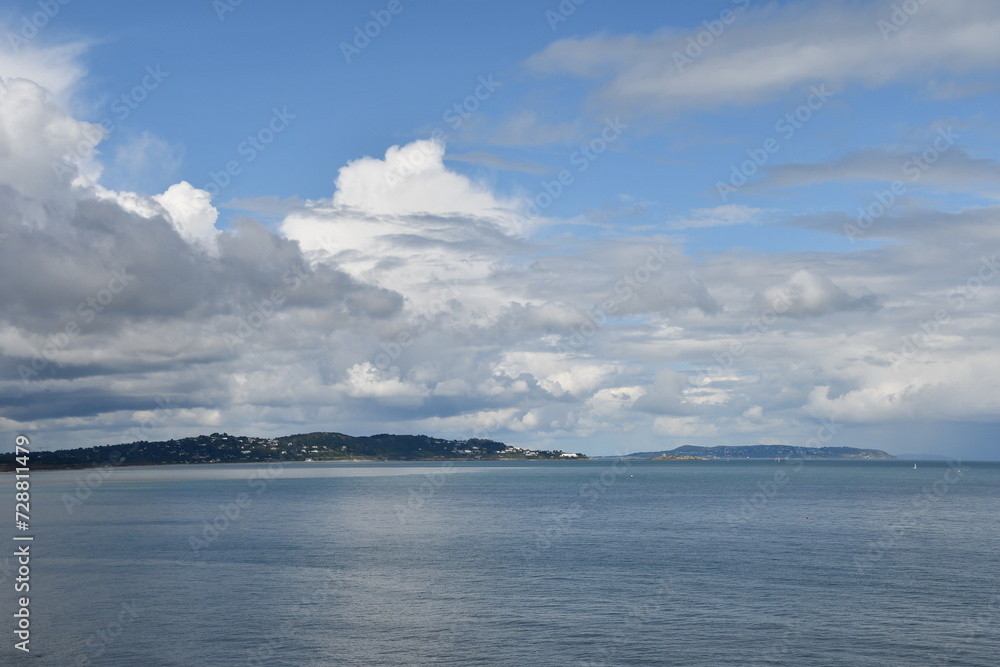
720,216
666,395
36,135
526,129
938,239
115,300
940,165
144,159
807,294
408,221
55,68
684,427
417,299
192,213
953,90
554,374
920,388
768,50
412,179
364,380
496,162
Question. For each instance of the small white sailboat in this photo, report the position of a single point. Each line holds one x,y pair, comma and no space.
914,466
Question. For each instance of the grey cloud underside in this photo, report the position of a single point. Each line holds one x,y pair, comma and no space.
951,169
170,310
971,226
57,266
58,404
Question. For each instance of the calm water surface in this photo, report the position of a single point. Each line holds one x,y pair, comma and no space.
587,563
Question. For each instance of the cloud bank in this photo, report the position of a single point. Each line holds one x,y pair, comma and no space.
415,298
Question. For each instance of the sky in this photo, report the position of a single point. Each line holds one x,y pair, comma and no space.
580,225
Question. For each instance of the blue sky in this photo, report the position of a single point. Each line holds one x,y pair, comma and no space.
742,141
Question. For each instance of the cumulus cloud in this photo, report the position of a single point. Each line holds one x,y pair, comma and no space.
666,396
364,380
192,213
413,179
35,137
409,222
808,294
117,301
404,294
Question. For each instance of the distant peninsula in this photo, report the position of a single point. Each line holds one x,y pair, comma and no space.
225,448
692,452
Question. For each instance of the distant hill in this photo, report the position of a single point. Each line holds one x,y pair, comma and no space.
766,452
225,448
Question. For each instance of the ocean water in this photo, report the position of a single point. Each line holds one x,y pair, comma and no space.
585,563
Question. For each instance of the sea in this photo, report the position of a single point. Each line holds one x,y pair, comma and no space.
602,562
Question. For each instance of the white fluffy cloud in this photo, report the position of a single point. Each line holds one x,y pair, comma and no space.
36,136
408,223
192,213
412,180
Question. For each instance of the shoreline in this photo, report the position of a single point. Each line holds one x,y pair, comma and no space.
108,464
